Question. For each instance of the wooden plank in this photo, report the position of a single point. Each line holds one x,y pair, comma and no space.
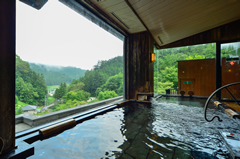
227,32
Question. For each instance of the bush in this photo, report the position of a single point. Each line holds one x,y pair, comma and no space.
44,112
162,86
19,111
106,95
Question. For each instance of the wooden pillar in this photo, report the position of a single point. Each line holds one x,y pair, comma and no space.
7,74
139,70
218,69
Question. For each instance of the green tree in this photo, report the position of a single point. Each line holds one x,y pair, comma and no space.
30,86
113,83
79,96
61,91
106,95
76,87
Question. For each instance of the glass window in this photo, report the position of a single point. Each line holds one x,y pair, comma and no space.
230,53
62,61
188,70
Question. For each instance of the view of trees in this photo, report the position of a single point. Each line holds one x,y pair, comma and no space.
97,77
30,86
55,75
104,81
166,66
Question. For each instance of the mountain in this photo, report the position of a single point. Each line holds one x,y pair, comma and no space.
98,76
55,75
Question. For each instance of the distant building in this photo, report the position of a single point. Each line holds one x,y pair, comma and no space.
30,109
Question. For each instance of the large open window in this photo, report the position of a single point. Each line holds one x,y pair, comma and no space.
185,70
63,61
230,53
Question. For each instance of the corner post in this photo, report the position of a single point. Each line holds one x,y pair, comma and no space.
218,69
7,73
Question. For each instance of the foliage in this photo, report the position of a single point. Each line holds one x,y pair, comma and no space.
106,95
76,87
162,86
30,86
18,111
42,113
69,104
18,106
50,100
80,95
16,99
61,91
54,75
113,83
169,74
166,67
22,104
53,87
95,78
92,80
195,57
94,100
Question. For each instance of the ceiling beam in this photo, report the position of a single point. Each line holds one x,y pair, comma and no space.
130,6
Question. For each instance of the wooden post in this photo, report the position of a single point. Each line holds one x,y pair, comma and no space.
139,70
218,69
7,73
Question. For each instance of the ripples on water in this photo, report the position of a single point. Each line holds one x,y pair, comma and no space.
186,124
170,128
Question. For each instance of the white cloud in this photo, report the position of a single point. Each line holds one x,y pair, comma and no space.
57,35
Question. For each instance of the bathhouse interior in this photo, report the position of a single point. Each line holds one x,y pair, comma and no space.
145,123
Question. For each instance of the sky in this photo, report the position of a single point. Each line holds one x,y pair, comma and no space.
57,35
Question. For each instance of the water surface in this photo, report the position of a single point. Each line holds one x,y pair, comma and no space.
169,128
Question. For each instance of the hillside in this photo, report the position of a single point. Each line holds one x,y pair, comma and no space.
55,75
30,86
97,77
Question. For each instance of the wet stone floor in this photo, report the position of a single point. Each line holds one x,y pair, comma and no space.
164,129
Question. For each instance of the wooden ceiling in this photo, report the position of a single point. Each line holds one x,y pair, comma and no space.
169,20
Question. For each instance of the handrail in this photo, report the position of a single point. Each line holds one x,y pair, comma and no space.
206,104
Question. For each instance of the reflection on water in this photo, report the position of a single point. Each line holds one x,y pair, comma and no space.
170,128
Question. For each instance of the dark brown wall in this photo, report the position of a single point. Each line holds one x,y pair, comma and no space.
138,68
7,73
203,72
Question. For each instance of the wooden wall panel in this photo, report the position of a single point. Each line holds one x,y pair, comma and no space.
204,73
139,69
230,74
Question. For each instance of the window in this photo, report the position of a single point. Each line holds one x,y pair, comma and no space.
63,61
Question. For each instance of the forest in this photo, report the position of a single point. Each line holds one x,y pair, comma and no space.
104,81
30,86
55,75
166,66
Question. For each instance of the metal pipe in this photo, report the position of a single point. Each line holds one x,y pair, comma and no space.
232,96
209,98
